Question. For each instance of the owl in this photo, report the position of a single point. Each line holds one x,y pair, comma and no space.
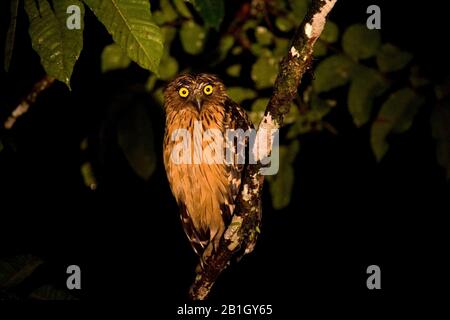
205,191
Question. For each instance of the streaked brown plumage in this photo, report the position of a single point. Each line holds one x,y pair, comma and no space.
204,192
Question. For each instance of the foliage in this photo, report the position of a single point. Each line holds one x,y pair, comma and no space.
57,46
377,81
281,184
132,28
9,43
135,138
49,292
113,58
17,270
212,11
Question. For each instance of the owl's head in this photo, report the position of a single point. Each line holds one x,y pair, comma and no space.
195,91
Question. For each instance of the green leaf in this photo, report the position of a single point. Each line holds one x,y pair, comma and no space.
182,8
113,58
135,138
250,24
15,270
282,183
284,24
440,124
225,45
11,33
212,11
333,72
416,78
168,11
391,58
299,8
168,67
158,17
234,70
236,50
258,108
192,37
320,107
320,49
263,36
131,26
168,34
330,32
367,84
304,122
396,115
260,105
150,84
57,46
257,49
300,126
87,172
360,42
240,94
158,95
49,292
281,187
277,6
167,14
292,115
264,70
281,47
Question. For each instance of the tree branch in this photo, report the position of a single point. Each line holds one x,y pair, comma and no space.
243,230
25,104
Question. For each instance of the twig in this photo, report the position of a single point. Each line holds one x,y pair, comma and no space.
245,223
25,104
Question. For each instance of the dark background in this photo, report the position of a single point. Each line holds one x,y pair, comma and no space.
347,211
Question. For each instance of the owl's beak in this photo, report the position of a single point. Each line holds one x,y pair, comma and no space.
198,101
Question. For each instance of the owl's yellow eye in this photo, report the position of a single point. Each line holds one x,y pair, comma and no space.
183,92
208,89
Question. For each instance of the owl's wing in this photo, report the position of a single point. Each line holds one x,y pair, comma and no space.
198,241
240,120
236,119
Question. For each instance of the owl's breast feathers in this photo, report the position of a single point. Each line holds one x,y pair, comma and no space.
205,192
